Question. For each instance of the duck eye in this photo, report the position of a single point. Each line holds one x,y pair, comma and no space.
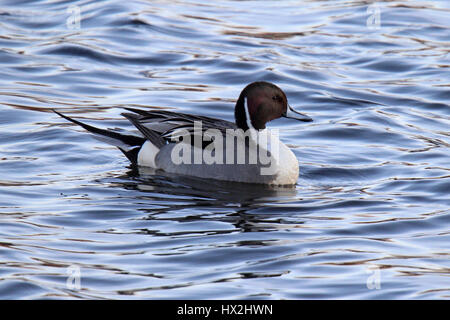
276,98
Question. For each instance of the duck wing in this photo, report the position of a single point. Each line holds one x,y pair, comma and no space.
161,126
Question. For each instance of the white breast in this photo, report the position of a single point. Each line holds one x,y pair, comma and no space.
286,164
287,167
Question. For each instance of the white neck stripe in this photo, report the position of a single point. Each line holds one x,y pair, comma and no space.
247,115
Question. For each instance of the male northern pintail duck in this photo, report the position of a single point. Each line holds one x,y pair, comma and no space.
205,147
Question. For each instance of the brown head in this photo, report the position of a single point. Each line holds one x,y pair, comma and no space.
261,102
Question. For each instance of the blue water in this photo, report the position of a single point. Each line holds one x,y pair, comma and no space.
368,218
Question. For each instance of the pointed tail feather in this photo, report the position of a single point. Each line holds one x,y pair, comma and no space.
128,144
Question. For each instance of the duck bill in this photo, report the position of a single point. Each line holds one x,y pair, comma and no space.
292,114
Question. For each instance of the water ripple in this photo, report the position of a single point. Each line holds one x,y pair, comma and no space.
374,171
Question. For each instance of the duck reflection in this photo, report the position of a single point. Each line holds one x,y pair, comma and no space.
230,202
220,192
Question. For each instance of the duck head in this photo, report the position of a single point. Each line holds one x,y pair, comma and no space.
261,102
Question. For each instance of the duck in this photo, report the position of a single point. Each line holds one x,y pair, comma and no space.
185,144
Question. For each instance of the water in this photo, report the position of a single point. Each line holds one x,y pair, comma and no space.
368,218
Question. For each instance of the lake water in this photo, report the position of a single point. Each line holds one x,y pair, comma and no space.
368,219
